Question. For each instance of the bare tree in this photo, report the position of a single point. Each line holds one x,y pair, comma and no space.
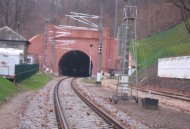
14,13
4,11
184,6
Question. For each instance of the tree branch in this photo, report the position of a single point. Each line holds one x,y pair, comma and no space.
184,6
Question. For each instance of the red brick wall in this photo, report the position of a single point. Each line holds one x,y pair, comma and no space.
82,39
37,48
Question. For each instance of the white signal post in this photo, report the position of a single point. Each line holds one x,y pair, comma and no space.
99,73
90,61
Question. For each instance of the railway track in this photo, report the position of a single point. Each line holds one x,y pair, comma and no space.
170,95
167,94
75,111
61,121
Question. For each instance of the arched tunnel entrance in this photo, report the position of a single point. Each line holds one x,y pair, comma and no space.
75,64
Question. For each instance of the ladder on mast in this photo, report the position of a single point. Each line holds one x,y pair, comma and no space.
127,35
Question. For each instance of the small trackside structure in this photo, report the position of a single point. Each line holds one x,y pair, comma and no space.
13,53
175,67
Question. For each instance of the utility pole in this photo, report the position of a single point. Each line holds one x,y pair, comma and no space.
53,49
45,44
99,73
115,26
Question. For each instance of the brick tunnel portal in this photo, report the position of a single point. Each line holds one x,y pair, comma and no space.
75,64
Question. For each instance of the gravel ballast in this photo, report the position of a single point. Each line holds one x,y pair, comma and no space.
39,112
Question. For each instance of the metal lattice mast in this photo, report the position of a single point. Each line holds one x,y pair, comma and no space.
128,49
130,20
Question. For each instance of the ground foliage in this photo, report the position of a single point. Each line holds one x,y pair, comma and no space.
35,82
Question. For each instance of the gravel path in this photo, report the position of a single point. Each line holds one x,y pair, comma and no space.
39,113
10,111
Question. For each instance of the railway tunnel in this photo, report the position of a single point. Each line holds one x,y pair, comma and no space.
75,63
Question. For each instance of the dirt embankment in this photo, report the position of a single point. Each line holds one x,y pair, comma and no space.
181,86
11,110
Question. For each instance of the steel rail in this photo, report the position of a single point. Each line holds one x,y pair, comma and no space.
166,94
112,121
169,95
62,124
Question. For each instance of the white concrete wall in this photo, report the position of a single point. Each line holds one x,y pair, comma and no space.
176,67
7,64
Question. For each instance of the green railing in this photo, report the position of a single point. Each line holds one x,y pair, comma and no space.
23,71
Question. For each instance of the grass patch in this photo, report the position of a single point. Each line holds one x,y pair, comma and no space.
87,80
7,89
36,81
171,43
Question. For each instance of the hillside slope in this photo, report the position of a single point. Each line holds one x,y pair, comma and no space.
171,43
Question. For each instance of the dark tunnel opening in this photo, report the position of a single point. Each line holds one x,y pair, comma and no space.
75,64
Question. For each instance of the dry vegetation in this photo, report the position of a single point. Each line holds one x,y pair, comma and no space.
28,16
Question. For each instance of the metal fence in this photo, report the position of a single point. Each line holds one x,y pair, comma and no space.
23,71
